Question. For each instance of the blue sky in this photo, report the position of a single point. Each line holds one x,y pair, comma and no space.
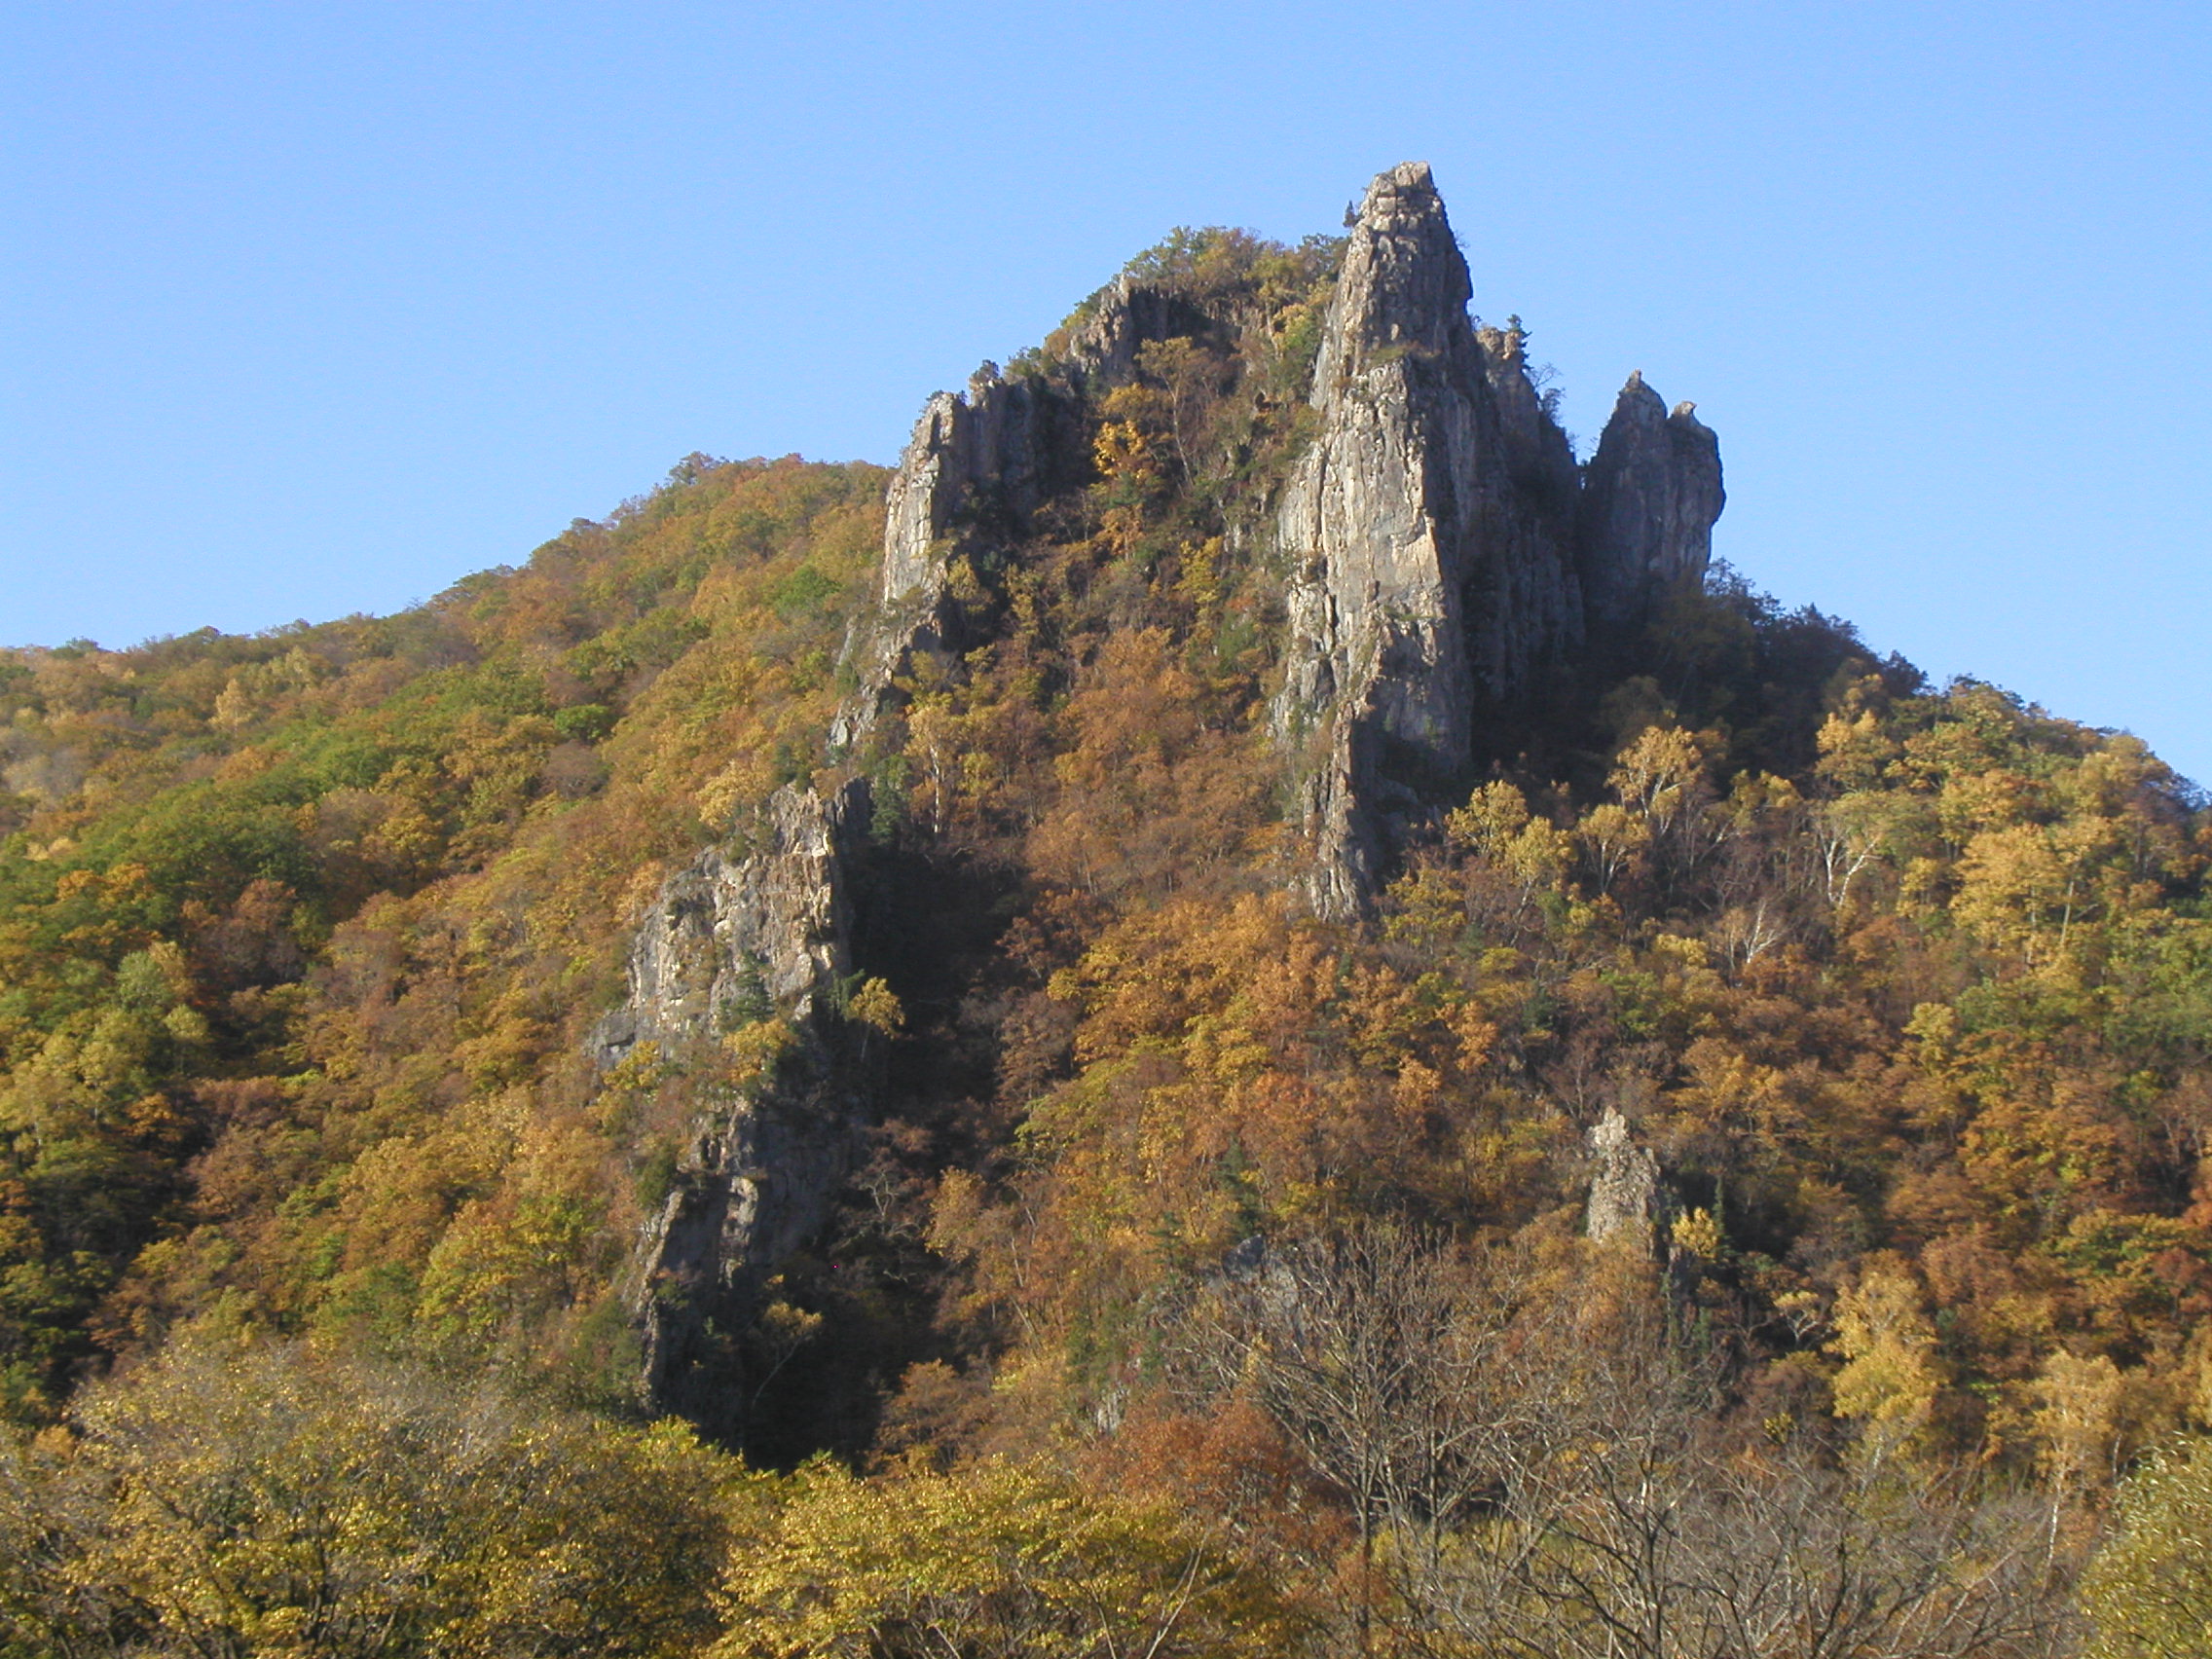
312,309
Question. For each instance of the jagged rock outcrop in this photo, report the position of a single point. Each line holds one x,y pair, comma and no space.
1649,500
1425,530
1440,537
1627,1203
1539,458
734,941
980,465
1446,554
977,466
1125,316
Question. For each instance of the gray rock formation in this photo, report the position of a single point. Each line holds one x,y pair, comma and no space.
980,462
1127,315
1538,457
977,466
1444,550
730,943
1428,531
1649,500
1626,1200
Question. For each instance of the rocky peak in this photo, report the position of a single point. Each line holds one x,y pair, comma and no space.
1404,283
1430,571
976,467
1649,501
1445,549
979,463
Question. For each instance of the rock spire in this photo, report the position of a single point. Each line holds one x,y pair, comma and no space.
1443,552
1628,1199
1426,532
1649,500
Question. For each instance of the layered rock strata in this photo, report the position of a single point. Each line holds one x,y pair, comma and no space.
1441,542
732,945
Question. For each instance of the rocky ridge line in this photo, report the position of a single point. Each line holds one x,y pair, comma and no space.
1445,553
978,465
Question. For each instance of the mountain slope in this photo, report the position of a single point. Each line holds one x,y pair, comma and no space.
934,963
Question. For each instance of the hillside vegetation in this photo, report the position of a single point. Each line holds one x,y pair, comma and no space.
1214,1278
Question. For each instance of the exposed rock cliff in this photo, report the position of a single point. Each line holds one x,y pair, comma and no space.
732,945
1650,497
1426,532
1626,1199
976,468
1439,537
1445,554
1127,315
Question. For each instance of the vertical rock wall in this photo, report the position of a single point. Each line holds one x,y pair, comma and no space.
1444,550
977,466
1426,531
734,941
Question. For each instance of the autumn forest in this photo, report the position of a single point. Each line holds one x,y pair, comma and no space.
1733,1186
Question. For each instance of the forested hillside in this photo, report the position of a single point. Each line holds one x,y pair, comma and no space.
1703,1156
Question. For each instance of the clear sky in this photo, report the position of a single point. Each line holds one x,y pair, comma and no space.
308,309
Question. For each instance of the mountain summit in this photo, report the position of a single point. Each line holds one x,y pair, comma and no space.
1446,551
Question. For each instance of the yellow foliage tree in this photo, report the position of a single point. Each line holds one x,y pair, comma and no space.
1890,1378
996,1560
263,1503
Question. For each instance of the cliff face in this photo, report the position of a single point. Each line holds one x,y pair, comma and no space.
1440,541
736,939
1129,316
1649,505
731,943
977,466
